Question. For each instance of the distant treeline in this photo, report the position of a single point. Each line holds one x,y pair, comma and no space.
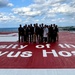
68,28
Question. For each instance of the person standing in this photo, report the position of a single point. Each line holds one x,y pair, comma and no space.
56,29
20,33
40,33
29,33
25,33
34,35
32,32
45,33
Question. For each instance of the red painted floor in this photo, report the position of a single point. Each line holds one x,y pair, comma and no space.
40,56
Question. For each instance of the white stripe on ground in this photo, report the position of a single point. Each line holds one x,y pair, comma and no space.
9,37
37,71
72,31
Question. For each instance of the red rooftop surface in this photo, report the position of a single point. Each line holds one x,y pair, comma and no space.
20,55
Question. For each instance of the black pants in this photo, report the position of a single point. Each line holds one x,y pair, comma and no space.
45,39
24,38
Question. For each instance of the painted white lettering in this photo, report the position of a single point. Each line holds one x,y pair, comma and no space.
65,54
62,46
22,47
3,53
72,45
53,52
26,54
67,45
9,46
14,47
73,52
2,46
48,45
12,54
39,46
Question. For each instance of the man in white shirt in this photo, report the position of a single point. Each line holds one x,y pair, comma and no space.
45,34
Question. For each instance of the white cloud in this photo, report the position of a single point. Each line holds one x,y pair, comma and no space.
5,3
48,7
39,1
59,20
66,9
21,10
32,13
63,9
72,3
26,11
8,18
39,8
1,15
58,1
45,10
10,5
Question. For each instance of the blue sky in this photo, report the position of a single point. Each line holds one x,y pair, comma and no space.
15,12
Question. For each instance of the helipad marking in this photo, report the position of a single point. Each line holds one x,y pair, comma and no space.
12,37
60,54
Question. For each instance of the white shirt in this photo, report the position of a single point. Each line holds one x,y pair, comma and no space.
45,32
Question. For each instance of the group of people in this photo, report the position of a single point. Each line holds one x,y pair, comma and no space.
38,33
